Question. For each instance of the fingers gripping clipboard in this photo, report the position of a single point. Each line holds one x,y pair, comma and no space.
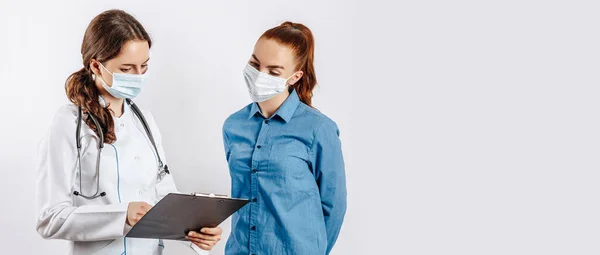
177,214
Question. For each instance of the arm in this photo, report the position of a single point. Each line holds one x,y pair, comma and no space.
58,218
329,173
226,143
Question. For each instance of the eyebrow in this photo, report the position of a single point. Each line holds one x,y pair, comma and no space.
271,66
133,65
275,66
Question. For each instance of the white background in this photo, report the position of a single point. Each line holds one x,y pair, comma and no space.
467,127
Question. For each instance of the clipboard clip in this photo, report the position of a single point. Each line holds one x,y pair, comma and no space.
209,195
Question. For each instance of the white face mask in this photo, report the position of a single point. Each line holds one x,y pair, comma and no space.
262,86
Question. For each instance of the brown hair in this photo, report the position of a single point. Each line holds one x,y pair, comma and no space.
103,39
300,39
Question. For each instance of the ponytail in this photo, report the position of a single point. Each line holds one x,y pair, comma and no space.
81,91
300,39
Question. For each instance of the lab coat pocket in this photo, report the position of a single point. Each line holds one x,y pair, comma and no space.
108,246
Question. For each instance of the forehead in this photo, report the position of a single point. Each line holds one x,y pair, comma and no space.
270,52
135,51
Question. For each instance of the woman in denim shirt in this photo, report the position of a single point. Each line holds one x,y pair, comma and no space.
283,154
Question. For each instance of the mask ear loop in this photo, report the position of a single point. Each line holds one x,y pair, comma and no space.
102,101
111,74
102,78
291,85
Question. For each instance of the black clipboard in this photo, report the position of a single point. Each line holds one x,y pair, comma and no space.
177,214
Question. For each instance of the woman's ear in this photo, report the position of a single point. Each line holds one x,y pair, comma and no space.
95,67
295,77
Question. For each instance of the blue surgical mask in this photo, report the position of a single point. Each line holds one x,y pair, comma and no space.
124,85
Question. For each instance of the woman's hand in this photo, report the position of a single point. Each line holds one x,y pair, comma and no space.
207,239
135,211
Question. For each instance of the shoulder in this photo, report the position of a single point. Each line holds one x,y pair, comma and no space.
66,112
149,117
237,117
146,113
64,124
321,122
65,117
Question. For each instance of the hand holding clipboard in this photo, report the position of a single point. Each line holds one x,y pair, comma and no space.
177,214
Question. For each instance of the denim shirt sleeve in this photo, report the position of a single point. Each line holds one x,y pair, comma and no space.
226,143
328,168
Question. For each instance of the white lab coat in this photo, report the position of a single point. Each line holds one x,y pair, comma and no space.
127,173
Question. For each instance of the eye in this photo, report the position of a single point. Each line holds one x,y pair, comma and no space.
273,73
254,64
125,70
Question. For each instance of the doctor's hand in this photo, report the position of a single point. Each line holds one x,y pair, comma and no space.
206,239
135,211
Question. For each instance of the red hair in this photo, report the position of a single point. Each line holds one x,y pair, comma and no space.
300,39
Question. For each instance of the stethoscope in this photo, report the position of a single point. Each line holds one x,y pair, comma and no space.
162,168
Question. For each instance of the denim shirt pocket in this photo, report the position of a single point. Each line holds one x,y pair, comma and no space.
289,168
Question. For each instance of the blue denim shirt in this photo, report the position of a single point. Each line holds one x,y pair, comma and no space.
291,168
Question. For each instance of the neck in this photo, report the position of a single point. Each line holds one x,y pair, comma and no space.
114,104
269,107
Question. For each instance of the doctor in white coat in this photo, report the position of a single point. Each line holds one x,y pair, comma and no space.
94,199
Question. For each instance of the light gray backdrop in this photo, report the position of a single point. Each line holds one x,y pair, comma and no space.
468,127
